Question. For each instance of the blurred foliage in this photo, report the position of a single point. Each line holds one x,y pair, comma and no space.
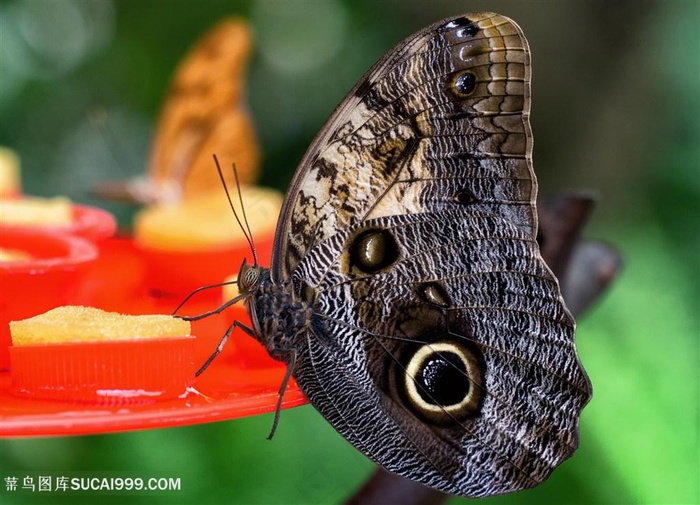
616,102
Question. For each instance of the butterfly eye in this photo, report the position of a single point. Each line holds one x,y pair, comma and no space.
443,382
464,83
247,277
373,250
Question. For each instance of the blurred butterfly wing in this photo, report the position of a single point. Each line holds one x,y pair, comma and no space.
203,114
439,344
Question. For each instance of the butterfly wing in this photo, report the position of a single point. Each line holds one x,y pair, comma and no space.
204,113
439,344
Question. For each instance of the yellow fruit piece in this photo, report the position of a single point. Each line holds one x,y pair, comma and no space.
8,255
206,221
73,323
9,173
35,211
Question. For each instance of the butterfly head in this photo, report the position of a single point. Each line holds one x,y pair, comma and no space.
248,277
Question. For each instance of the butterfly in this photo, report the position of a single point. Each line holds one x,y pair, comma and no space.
203,112
407,293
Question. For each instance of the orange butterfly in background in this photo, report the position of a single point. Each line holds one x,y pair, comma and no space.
204,113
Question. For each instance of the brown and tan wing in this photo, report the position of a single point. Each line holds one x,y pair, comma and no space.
204,114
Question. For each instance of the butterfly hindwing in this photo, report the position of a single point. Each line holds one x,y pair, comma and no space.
435,340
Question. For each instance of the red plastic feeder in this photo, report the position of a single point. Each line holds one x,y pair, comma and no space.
51,277
181,272
123,372
88,222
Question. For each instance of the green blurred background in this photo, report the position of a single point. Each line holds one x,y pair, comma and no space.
616,102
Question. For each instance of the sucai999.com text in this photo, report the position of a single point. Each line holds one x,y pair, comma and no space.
92,483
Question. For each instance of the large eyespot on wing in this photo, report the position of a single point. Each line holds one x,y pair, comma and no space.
447,110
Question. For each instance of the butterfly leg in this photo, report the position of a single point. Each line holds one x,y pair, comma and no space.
292,355
222,343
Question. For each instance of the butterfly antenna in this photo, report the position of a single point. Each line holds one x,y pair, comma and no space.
199,290
246,229
245,218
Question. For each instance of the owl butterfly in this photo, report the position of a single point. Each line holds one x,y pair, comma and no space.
407,293
204,112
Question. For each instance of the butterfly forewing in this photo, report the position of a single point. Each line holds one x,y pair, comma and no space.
408,124
434,338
